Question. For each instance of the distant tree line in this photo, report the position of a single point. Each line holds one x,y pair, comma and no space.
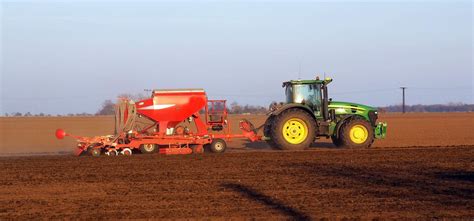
28,114
452,107
108,108
236,108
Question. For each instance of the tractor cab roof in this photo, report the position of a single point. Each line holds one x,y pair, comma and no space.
316,81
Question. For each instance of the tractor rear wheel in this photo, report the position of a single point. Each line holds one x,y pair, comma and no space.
294,129
267,129
356,133
148,148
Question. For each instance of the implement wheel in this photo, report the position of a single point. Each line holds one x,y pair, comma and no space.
95,152
294,129
148,148
111,153
126,152
217,146
356,133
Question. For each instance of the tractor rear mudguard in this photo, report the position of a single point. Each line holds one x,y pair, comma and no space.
278,110
380,130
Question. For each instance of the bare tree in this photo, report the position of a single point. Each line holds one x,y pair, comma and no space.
108,108
235,108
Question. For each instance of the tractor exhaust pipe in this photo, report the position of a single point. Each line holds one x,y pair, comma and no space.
325,103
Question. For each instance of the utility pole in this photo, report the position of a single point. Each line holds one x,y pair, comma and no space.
403,94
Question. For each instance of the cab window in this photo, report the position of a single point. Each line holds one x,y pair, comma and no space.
308,94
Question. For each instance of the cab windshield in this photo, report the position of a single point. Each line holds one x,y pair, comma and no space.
308,94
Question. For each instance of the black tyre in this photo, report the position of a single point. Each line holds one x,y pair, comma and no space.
127,152
336,141
293,129
148,148
217,146
356,133
267,129
112,153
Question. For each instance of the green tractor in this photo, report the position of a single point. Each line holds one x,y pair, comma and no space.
309,114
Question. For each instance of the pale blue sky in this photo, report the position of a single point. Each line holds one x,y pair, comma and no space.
69,56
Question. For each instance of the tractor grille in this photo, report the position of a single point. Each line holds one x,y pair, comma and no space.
373,117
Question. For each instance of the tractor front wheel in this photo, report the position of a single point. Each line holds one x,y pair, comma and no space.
356,133
294,129
336,141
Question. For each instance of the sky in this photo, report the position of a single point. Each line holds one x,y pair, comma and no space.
60,57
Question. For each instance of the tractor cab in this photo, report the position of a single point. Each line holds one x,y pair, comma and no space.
311,93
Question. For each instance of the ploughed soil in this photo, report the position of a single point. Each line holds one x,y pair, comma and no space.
423,169
35,135
427,182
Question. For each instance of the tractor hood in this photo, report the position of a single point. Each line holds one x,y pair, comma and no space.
348,105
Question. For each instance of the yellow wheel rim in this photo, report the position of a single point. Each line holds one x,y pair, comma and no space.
359,134
295,131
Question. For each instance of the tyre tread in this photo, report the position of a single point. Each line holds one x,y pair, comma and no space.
345,138
277,137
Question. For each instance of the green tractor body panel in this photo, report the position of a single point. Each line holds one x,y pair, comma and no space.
381,130
344,110
347,107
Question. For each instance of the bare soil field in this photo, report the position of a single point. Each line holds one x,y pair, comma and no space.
369,184
35,135
423,170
